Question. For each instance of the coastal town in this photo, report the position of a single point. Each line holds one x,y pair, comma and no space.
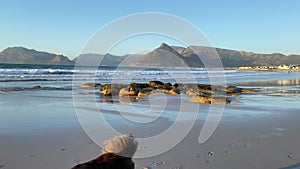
282,67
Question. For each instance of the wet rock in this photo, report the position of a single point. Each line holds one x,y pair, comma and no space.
156,84
143,93
139,85
248,91
16,89
36,87
204,87
168,86
90,85
127,92
210,100
200,99
237,90
201,93
232,89
192,92
174,91
111,89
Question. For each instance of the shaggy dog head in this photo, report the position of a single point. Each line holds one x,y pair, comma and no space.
117,154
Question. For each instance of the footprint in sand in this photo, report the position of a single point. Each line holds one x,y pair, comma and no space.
291,155
155,165
226,150
279,131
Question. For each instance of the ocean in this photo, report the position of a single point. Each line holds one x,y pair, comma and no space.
17,75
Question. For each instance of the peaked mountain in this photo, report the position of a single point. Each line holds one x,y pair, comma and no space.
164,56
21,55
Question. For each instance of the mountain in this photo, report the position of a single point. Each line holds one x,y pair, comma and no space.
21,55
163,56
233,58
175,56
91,58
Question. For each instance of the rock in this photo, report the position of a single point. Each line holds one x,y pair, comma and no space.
126,92
204,87
156,84
200,99
163,91
134,88
219,100
232,89
16,89
111,89
106,89
174,91
143,94
175,85
201,93
36,87
209,100
139,85
168,86
248,90
192,92
90,85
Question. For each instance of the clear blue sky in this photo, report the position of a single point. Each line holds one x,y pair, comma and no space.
63,27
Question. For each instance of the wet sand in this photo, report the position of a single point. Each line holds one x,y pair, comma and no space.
257,131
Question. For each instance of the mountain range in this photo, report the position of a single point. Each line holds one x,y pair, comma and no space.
163,56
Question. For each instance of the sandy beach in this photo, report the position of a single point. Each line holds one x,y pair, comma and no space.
259,130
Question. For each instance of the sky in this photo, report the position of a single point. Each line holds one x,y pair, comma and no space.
65,27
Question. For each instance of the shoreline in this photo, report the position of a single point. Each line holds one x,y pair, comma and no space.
262,69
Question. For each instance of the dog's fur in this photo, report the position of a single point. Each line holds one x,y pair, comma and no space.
117,154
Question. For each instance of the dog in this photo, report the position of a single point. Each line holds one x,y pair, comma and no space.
117,154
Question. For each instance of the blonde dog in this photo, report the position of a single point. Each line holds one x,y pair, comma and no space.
117,154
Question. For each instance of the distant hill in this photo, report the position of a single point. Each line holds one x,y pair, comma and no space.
91,58
163,56
21,55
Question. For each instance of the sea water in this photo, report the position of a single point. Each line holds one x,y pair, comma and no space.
52,106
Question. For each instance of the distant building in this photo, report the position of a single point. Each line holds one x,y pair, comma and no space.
283,67
245,67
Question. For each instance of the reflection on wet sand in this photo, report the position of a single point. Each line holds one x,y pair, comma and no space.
291,82
117,99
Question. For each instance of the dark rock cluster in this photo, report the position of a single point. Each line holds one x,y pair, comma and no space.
202,93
